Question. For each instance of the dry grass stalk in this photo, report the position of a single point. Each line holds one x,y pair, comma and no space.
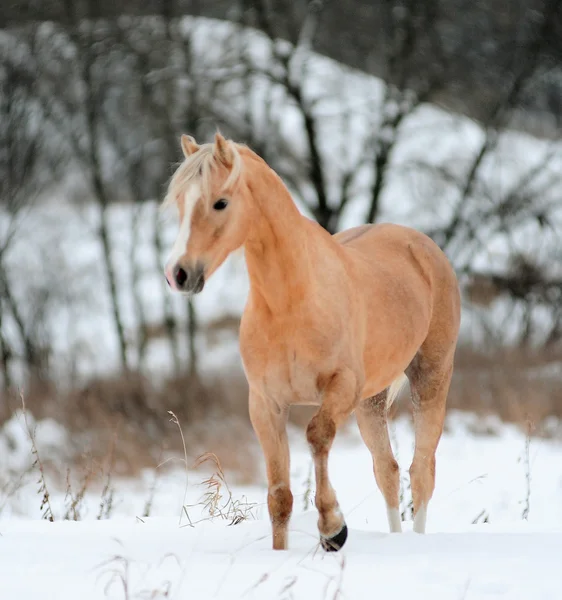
482,517
286,592
118,568
106,502
47,511
176,421
217,504
152,490
339,579
73,509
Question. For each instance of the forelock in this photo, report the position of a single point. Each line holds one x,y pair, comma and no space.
198,168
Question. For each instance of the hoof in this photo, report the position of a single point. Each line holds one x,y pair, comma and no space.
336,542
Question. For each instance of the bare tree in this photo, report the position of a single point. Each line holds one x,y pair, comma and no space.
25,171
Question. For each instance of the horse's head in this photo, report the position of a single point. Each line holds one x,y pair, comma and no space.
213,209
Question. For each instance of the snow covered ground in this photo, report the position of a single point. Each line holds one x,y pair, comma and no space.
480,478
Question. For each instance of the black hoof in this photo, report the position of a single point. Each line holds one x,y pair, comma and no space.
333,544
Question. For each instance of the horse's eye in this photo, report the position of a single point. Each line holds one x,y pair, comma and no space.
220,204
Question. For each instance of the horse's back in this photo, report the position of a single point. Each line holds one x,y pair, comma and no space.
386,246
371,237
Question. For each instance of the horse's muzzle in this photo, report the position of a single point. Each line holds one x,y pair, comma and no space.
190,280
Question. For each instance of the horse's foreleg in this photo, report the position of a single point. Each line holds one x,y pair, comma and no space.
371,418
269,422
337,405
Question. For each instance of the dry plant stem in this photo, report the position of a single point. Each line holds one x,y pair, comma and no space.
235,511
119,572
483,517
70,495
336,579
175,420
286,590
43,489
214,483
73,511
150,499
106,502
152,491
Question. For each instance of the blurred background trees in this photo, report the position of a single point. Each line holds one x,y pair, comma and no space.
444,115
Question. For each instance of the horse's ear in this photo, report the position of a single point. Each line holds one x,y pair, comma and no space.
188,145
222,150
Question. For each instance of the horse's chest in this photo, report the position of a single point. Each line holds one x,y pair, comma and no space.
280,370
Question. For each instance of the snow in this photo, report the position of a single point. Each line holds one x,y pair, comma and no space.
162,556
155,559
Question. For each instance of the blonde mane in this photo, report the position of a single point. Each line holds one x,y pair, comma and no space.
199,168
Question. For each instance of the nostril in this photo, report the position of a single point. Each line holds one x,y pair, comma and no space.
181,277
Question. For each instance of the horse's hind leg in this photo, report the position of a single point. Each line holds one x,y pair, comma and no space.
429,384
371,418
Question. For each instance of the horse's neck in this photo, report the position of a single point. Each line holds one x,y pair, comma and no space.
276,248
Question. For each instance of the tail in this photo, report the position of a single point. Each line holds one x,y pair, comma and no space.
394,389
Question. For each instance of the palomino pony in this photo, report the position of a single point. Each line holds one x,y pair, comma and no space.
334,321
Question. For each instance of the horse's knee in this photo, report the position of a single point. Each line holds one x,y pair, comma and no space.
280,504
320,433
